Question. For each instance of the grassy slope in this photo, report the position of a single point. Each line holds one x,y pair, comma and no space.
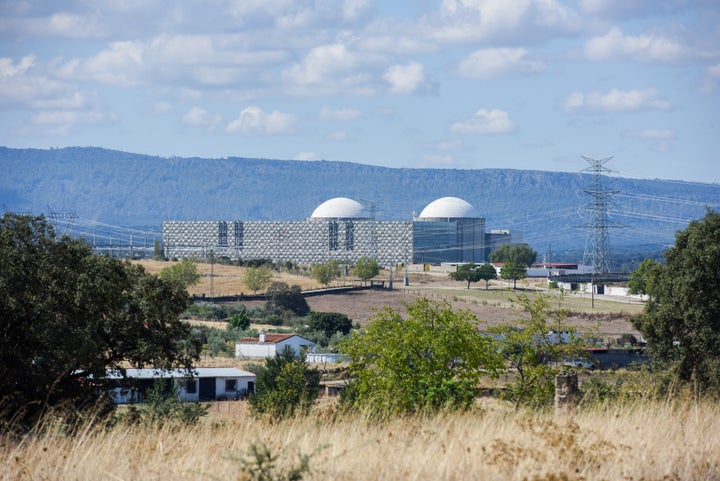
646,441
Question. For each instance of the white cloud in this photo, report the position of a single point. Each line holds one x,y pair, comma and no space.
121,64
253,120
497,62
464,21
614,45
337,136
352,10
615,101
199,117
658,140
9,69
485,122
326,113
321,64
406,79
307,156
711,79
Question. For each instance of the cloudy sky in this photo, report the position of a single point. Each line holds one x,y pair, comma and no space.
529,84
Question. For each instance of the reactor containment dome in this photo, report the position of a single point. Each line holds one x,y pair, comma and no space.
339,208
448,208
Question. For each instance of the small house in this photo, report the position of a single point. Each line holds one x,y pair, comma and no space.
200,384
270,345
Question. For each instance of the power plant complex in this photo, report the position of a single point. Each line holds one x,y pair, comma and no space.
448,230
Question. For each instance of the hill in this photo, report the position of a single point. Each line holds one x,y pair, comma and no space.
132,190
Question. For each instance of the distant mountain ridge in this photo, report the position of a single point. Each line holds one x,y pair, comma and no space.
127,189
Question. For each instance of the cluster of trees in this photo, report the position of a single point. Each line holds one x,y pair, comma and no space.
70,315
515,259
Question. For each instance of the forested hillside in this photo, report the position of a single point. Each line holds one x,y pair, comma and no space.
126,189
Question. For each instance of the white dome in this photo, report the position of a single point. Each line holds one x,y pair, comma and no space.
448,207
339,207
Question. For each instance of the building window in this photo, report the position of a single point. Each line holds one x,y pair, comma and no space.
230,385
222,234
191,386
349,236
238,227
333,230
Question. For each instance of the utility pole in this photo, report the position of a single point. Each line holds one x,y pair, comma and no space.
599,256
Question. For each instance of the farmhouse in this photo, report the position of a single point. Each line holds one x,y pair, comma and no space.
199,384
270,345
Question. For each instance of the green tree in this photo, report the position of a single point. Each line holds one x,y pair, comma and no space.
513,272
487,273
68,314
433,359
520,254
330,322
282,297
681,320
240,320
184,273
326,272
640,281
285,386
257,278
466,272
158,251
535,349
366,268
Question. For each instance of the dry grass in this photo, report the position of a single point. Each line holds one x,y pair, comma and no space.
648,441
227,280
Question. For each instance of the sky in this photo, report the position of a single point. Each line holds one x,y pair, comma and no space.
464,84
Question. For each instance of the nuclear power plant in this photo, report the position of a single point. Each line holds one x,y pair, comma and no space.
448,230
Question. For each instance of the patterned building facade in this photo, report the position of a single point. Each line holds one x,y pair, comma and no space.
446,231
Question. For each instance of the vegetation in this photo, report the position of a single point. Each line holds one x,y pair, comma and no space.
366,268
681,322
282,298
257,278
520,254
638,440
470,272
641,280
69,314
535,348
513,272
432,360
285,386
326,272
330,323
183,273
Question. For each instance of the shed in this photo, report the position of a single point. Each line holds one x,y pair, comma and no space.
270,345
199,384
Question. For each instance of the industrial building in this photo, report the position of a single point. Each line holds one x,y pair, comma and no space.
342,229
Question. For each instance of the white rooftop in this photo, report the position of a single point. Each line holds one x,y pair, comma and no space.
339,208
449,208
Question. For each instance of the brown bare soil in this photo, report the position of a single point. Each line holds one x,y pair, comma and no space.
609,319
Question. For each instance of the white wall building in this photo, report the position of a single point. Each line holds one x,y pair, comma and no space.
200,384
270,345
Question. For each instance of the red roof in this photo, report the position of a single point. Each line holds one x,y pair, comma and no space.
269,338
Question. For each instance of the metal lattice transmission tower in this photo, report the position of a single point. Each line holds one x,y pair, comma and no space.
598,255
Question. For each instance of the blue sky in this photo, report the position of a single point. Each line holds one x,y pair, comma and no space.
527,84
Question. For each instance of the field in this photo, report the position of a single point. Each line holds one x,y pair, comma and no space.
608,318
649,441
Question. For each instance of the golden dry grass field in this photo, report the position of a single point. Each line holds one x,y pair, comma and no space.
648,441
